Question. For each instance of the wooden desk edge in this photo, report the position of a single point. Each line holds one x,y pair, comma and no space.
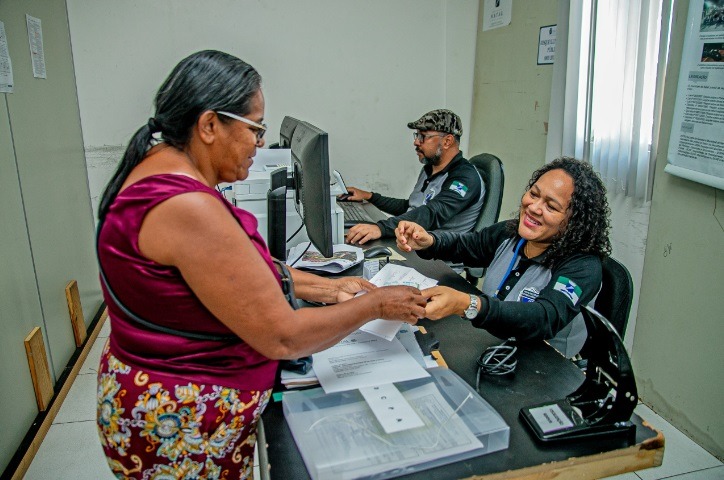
648,454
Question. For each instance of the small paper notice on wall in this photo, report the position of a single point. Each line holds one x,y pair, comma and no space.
35,38
497,13
547,45
6,67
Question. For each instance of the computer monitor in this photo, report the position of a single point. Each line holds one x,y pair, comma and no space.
286,131
310,180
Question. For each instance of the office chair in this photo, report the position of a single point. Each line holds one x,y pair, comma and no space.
491,171
616,295
613,302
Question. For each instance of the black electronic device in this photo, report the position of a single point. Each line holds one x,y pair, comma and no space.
603,404
286,131
360,212
377,251
310,180
344,197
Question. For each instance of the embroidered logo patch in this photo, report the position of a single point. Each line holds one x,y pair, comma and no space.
528,294
459,188
429,196
568,288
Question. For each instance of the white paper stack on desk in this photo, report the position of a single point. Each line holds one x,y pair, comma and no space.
405,335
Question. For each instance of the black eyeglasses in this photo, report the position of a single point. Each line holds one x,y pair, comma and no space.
421,137
259,128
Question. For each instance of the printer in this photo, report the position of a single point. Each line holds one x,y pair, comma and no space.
251,195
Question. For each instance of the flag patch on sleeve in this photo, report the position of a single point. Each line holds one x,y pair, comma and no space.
459,188
568,288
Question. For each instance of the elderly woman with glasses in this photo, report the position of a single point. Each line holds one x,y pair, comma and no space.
541,266
198,313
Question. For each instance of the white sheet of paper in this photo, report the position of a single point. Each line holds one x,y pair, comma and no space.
497,13
35,39
364,360
392,274
6,66
406,336
391,409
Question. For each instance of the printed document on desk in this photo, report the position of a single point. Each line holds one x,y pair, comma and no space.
364,360
343,257
406,336
392,274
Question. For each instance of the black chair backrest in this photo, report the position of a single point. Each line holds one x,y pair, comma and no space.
491,171
616,295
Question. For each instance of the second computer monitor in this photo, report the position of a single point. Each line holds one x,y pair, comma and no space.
310,162
286,131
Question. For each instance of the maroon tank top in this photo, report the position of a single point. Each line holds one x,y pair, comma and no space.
159,294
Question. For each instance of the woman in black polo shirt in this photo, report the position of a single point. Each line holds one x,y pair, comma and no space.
541,266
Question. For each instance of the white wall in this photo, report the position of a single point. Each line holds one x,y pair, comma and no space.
359,70
629,227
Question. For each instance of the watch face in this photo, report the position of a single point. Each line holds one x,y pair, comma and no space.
472,310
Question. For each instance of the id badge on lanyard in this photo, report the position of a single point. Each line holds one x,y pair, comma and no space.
510,266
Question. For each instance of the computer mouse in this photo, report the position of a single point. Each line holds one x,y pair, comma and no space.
378,251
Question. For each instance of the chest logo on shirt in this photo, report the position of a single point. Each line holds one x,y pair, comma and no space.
568,288
429,196
459,188
528,294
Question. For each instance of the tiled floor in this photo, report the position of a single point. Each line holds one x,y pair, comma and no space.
74,431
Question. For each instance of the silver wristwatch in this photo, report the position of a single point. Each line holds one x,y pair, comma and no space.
472,310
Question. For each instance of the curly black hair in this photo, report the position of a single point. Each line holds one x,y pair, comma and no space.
588,226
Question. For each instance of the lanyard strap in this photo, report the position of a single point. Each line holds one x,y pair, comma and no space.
510,266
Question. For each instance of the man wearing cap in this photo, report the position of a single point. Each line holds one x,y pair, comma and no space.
448,194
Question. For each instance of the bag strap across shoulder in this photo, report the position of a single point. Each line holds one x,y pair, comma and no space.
287,288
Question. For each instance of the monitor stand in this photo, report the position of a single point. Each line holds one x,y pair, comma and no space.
281,181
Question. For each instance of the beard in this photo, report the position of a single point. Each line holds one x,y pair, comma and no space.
433,160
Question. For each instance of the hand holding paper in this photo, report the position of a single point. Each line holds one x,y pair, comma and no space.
395,275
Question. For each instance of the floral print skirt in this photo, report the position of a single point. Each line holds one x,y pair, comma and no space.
154,426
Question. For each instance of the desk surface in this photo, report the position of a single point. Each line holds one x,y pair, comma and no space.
542,375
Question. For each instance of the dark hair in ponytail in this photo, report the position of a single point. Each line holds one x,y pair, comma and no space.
206,80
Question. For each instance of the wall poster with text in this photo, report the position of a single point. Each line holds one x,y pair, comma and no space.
696,147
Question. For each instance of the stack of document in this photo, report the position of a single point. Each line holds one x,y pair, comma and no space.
305,255
364,360
299,380
405,336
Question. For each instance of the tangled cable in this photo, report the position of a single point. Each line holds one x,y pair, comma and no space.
497,360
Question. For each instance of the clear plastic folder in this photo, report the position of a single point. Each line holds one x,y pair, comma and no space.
339,437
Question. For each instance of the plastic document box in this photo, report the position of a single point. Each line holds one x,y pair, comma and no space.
339,437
